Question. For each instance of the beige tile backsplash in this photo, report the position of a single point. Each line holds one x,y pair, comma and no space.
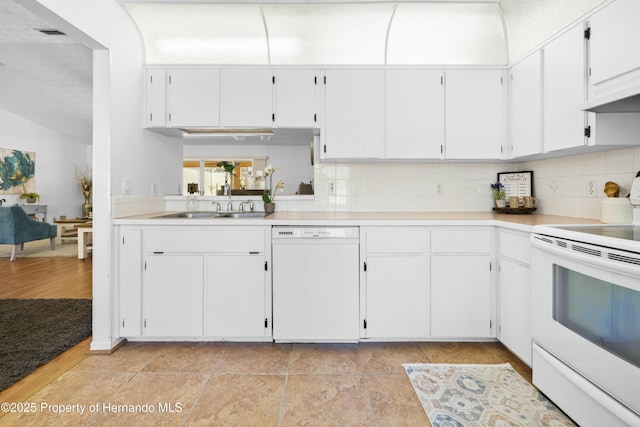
559,184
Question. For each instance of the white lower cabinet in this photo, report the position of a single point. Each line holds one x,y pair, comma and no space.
235,296
395,283
514,293
172,296
461,284
196,283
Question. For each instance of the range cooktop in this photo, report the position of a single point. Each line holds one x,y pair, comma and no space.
626,232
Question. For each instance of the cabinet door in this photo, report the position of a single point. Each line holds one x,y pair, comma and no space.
172,297
354,114
415,114
564,91
460,296
475,111
156,97
526,114
613,47
515,308
295,98
193,97
235,296
397,308
130,283
246,97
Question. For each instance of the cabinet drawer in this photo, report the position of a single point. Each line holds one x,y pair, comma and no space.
397,240
216,240
460,241
516,247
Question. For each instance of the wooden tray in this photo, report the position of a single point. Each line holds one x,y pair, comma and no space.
514,210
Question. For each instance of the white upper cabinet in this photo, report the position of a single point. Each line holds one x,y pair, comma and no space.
156,93
564,74
475,114
613,40
296,98
193,97
415,114
354,116
526,113
246,97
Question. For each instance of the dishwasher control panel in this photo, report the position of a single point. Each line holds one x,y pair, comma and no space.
315,232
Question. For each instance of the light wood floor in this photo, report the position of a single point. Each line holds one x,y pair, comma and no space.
45,278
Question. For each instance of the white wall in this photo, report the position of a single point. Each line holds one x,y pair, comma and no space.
529,22
56,157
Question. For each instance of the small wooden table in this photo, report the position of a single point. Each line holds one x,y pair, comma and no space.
68,227
84,239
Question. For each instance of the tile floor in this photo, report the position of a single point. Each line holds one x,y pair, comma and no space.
248,384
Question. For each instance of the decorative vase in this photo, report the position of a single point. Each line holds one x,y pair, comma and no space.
269,208
85,209
501,203
31,200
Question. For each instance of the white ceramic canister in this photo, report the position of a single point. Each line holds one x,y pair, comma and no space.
616,210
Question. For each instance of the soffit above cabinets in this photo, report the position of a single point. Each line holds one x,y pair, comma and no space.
328,33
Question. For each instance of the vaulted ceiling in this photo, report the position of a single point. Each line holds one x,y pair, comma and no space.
46,79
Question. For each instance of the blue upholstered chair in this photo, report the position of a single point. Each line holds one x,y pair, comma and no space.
16,228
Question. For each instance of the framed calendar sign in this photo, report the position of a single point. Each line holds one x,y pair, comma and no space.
518,184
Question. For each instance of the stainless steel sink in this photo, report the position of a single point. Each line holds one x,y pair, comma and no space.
191,215
241,215
213,214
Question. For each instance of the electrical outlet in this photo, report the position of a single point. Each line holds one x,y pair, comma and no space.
591,188
332,188
439,188
154,188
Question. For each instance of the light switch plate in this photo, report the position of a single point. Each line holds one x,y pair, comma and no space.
126,186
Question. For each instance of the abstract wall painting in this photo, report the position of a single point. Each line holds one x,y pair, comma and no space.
17,171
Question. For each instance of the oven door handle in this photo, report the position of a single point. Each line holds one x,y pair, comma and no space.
598,261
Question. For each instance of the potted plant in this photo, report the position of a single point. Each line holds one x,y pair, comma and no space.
31,197
270,194
499,194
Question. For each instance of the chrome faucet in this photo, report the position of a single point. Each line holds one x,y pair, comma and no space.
217,205
248,202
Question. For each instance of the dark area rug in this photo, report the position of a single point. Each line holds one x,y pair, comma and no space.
34,331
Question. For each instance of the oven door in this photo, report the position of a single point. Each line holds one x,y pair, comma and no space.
586,313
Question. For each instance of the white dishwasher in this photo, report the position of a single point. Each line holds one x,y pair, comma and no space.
316,280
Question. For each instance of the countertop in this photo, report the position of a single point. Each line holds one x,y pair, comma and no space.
520,222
